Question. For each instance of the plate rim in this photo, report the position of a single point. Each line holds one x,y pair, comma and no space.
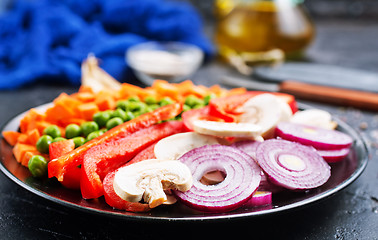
362,163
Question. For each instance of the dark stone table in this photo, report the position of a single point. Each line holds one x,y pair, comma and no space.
350,214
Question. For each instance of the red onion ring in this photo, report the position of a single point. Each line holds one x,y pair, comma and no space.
332,156
241,181
248,146
259,198
292,165
319,138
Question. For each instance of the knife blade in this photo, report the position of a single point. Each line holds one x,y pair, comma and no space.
320,74
333,95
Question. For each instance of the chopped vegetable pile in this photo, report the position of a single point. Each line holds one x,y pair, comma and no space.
212,149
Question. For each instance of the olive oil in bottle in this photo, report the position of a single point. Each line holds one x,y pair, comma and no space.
250,26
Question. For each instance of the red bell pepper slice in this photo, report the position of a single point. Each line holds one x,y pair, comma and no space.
58,167
198,114
110,155
115,201
227,107
72,176
147,153
57,149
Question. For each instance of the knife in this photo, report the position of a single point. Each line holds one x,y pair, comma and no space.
326,94
320,74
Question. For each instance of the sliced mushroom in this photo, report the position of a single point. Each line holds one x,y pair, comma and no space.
182,142
148,179
266,111
226,129
314,117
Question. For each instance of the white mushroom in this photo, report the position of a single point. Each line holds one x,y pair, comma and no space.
266,111
176,145
226,129
148,179
314,117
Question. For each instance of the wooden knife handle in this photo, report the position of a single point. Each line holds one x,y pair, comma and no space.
339,96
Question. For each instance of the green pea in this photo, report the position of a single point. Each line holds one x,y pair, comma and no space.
89,127
43,143
165,101
101,118
192,101
58,139
133,99
73,130
207,98
129,116
102,131
150,100
52,131
136,106
122,104
37,166
186,108
78,141
119,113
94,134
200,105
114,122
154,106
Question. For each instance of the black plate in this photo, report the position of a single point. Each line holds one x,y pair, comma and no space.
343,174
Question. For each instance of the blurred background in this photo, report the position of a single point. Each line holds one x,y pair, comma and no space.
335,32
345,31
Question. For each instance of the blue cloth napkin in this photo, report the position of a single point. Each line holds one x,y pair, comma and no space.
47,40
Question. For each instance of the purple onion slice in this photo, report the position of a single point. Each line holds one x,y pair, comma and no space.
319,138
248,146
332,156
241,180
292,165
259,198
267,186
